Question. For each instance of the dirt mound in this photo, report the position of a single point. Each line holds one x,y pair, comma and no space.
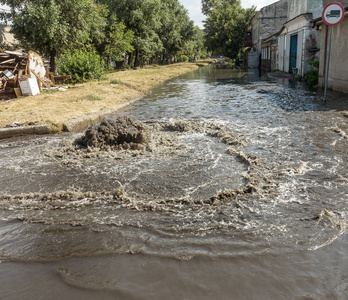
122,133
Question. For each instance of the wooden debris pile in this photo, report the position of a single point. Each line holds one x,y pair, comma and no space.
25,74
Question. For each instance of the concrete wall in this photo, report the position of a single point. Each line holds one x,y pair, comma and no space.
343,2
274,61
315,7
338,74
268,21
255,31
307,38
299,7
281,53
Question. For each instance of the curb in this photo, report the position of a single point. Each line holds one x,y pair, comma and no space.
68,126
6,133
71,125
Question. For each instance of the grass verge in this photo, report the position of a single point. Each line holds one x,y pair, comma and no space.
92,97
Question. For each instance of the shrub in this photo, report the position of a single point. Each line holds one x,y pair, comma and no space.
81,65
183,58
312,76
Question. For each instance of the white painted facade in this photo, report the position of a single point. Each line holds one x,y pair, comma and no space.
299,25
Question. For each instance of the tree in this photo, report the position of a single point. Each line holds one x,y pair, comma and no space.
117,40
142,18
176,28
196,47
51,26
226,25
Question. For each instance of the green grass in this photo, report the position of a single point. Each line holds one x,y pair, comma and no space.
115,81
88,97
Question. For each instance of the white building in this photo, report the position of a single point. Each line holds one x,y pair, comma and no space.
298,41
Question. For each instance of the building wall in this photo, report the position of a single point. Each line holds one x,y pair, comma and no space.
255,31
315,7
306,40
338,74
268,21
266,58
281,53
343,2
299,7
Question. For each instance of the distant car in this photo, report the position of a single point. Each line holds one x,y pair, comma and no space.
333,14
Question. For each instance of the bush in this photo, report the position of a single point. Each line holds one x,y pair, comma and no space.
312,76
183,58
81,65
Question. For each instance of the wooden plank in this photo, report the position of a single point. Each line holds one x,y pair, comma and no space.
61,78
18,92
15,54
15,81
7,61
51,76
7,67
20,73
40,81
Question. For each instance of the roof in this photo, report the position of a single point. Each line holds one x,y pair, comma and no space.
305,14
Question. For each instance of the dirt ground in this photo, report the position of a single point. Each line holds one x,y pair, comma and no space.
117,88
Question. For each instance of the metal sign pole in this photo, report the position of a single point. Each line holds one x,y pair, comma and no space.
328,65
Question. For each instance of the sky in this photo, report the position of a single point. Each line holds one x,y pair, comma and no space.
194,8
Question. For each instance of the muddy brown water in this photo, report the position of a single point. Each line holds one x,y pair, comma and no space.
239,192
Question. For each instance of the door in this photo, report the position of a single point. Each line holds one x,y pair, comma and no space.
293,52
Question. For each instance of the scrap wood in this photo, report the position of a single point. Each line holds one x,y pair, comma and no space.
18,92
61,78
41,79
7,61
23,65
36,64
51,76
4,86
20,64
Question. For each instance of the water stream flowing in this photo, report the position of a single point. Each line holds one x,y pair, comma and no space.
213,186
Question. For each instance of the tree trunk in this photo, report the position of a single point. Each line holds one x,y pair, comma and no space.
137,62
53,64
130,58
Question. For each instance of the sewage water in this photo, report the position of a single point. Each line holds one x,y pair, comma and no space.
238,192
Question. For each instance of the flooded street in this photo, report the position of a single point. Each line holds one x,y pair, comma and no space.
230,189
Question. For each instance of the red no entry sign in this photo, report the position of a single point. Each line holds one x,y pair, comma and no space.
333,13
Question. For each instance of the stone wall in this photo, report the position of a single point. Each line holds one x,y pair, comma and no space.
343,2
299,7
268,20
